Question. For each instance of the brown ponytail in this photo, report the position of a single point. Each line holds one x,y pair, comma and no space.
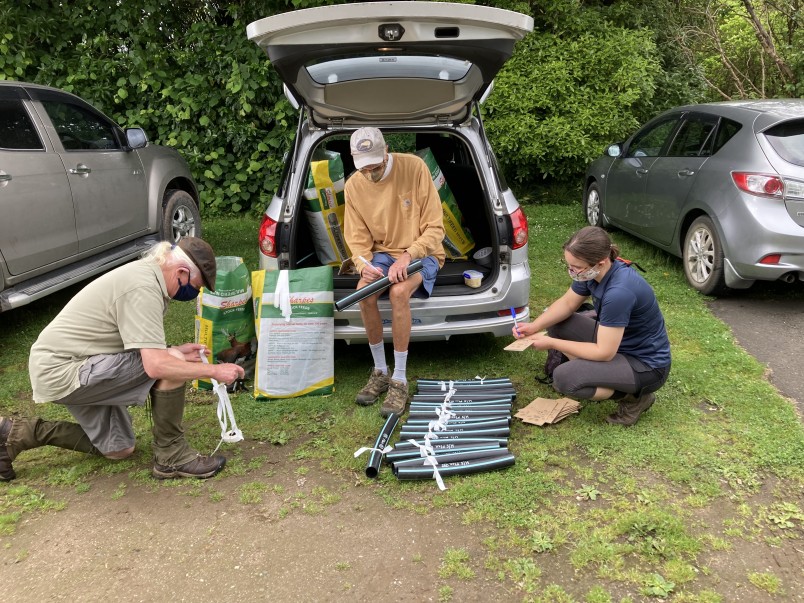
592,245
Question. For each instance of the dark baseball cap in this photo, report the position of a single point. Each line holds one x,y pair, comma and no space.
202,256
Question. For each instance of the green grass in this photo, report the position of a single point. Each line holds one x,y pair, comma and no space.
630,510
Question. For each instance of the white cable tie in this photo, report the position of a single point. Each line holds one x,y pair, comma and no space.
433,461
225,413
449,394
443,386
385,450
451,384
481,379
425,449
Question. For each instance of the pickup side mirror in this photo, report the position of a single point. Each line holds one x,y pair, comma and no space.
136,138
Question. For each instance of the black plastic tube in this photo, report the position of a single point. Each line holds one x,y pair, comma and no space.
409,453
372,288
449,439
373,466
430,414
439,382
455,468
458,407
493,432
473,423
467,398
452,457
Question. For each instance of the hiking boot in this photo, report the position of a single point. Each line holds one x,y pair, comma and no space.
377,385
6,470
201,467
396,400
630,409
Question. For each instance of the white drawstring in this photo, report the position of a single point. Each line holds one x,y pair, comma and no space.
225,412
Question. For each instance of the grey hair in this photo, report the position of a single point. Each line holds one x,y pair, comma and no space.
165,254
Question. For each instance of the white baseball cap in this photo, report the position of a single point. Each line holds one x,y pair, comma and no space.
368,147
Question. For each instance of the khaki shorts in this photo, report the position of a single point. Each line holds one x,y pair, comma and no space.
109,383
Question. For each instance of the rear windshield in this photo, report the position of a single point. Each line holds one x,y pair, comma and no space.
371,67
787,140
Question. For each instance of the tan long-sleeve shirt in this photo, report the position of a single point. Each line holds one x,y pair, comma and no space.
400,213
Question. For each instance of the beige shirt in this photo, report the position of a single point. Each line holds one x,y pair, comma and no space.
400,213
122,310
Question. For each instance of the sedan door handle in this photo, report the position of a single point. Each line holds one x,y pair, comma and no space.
642,171
80,169
5,177
685,172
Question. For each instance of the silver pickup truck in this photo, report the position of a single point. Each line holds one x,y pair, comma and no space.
78,194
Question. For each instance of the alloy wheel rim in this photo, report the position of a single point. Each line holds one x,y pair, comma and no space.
701,255
592,207
183,223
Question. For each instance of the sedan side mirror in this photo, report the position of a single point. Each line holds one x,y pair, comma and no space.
136,138
614,150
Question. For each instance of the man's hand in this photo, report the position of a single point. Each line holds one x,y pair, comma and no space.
398,271
370,273
190,351
227,373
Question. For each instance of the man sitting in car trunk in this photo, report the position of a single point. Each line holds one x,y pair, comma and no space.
393,216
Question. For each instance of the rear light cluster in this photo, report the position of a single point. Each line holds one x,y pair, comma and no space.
519,224
267,236
768,185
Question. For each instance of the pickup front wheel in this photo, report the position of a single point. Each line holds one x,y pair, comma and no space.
180,217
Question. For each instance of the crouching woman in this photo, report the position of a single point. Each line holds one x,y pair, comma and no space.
621,350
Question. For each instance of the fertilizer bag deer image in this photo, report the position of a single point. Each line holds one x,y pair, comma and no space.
224,320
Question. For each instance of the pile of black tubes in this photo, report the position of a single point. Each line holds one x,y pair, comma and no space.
453,428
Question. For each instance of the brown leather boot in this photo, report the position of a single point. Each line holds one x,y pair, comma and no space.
21,434
173,456
630,409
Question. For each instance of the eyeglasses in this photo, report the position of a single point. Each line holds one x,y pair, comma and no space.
374,172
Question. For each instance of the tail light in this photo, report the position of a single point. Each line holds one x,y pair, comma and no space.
519,226
507,311
772,258
765,185
267,237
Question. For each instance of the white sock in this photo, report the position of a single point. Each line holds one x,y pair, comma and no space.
400,366
378,353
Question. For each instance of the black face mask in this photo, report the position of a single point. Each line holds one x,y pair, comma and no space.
186,292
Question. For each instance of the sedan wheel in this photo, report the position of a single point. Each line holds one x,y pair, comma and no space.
180,217
591,206
703,257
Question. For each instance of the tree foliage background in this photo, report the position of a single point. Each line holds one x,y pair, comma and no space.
589,74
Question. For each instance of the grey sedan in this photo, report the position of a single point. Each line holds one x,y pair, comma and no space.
720,185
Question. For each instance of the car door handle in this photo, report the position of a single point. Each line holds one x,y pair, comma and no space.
642,171
685,172
80,169
5,177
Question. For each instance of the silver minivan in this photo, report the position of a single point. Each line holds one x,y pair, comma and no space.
419,71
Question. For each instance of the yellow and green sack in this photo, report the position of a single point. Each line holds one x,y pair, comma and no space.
458,241
324,206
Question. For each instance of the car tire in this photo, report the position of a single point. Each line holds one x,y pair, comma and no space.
703,257
180,216
591,207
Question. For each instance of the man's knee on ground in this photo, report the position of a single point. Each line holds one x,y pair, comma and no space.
117,455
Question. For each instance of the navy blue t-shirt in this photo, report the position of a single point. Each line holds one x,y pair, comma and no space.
624,299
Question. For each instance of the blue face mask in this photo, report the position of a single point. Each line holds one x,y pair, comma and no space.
186,292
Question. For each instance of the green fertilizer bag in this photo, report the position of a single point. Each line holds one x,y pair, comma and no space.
458,241
224,320
296,332
324,206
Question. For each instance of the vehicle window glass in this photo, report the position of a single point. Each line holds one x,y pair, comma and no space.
649,143
16,128
694,137
344,69
80,129
725,131
787,139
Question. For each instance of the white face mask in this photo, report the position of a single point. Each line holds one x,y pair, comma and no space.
583,275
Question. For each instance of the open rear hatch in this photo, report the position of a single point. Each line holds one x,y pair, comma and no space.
383,63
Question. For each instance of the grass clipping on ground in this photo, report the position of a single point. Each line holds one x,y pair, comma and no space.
630,509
